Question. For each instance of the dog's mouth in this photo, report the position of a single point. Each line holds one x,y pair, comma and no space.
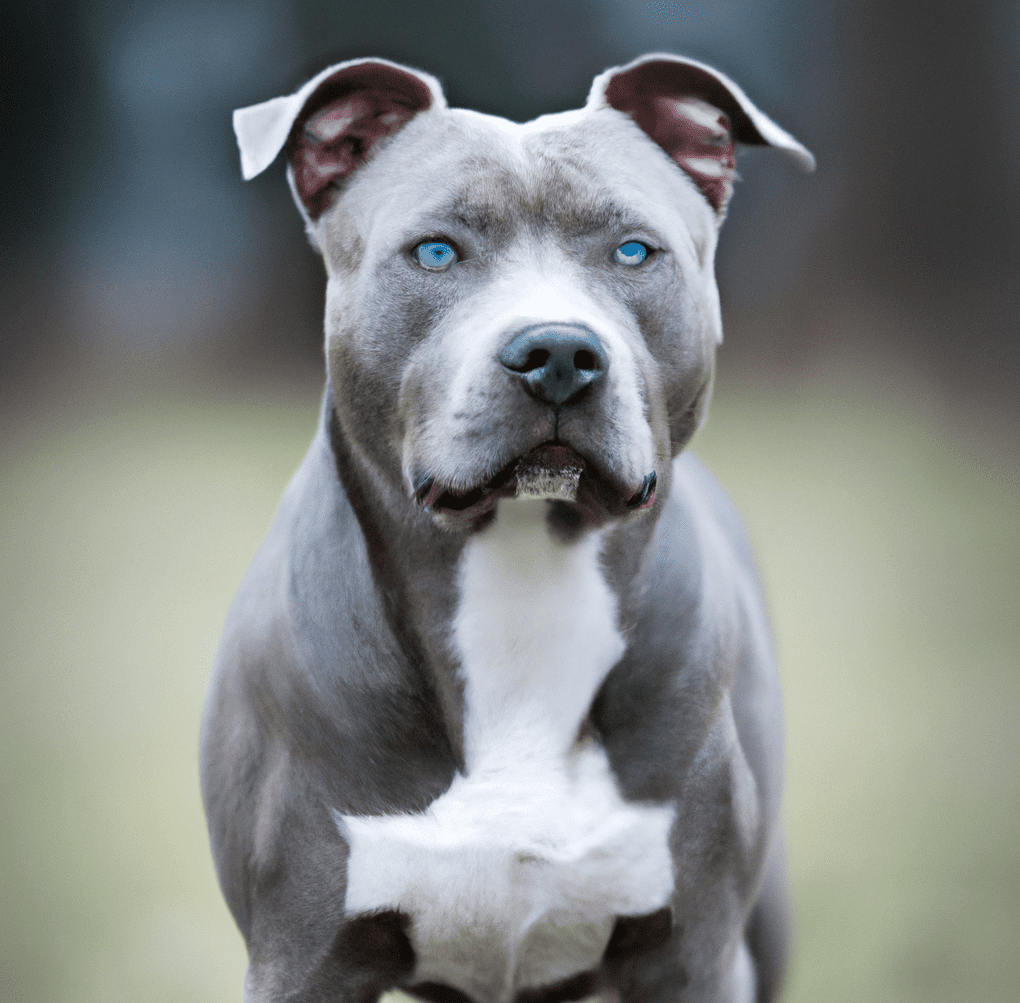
553,472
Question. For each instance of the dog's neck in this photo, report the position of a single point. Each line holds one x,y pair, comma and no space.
536,631
507,619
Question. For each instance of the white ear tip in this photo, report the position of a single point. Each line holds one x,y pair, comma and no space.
777,137
803,157
261,131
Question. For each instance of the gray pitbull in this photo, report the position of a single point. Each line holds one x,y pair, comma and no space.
495,716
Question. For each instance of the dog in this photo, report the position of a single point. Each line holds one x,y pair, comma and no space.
495,717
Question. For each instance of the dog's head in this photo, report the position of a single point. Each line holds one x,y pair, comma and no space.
516,308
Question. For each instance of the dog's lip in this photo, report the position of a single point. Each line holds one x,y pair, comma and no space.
548,470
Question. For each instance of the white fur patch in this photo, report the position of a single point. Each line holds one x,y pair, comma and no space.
514,877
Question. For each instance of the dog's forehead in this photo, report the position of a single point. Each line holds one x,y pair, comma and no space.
580,170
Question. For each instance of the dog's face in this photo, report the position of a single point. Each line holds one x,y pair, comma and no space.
518,309
526,227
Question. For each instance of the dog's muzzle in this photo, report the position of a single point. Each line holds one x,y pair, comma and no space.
559,366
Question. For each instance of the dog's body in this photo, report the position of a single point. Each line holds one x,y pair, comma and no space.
495,717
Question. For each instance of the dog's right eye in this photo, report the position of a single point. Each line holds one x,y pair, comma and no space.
632,253
435,255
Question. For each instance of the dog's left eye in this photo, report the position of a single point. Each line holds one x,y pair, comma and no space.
631,253
435,255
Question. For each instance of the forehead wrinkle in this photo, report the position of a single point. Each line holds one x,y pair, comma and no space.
575,199
597,215
511,202
580,202
484,202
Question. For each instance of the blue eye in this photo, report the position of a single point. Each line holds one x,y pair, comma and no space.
435,255
631,253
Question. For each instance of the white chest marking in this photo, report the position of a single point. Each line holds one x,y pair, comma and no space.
514,877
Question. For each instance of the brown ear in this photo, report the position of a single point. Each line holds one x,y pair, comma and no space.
348,113
331,123
696,115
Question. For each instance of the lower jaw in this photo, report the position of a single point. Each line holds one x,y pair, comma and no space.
566,517
577,497
565,521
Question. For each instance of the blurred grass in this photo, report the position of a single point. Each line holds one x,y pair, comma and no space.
890,549
890,544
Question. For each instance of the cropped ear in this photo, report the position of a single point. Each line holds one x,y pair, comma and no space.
696,115
331,123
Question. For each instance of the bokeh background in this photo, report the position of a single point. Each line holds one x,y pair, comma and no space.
160,366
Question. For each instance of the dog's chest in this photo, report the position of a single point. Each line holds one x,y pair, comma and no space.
514,877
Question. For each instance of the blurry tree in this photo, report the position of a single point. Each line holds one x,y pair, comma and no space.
124,224
926,223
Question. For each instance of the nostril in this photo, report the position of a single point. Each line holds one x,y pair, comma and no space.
536,359
585,360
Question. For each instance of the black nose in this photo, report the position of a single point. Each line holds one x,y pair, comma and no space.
556,362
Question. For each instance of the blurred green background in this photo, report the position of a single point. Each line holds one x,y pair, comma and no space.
160,370
889,541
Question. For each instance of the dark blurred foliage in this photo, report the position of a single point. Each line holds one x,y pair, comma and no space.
127,234
921,243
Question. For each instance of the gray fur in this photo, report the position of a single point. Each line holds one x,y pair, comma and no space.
337,690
